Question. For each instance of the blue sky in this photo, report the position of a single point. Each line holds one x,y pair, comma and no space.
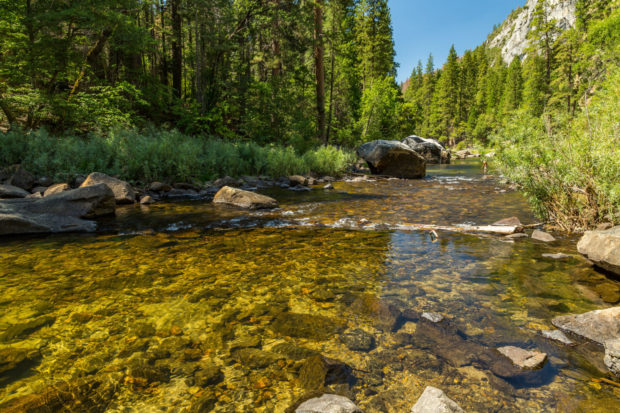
432,26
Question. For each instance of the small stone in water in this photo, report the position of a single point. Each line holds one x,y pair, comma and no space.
557,335
542,236
525,359
434,400
517,235
557,256
358,340
433,317
328,186
328,403
512,221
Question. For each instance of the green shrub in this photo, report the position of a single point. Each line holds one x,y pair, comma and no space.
570,170
155,154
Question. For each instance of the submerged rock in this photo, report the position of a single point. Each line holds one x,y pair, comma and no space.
542,236
598,325
392,158
558,256
254,358
434,400
319,371
430,149
383,315
86,395
433,317
602,248
612,355
293,352
557,335
525,359
316,327
328,403
209,374
358,340
15,360
23,330
243,199
123,192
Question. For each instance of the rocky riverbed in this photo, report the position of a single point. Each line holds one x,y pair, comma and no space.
192,306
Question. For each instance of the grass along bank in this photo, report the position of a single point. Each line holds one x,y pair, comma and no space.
570,170
161,155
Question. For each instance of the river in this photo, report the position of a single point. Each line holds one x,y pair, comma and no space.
188,306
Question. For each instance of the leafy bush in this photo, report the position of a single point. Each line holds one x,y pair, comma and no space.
156,154
569,170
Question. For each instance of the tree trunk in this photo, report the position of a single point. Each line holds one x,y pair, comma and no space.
177,44
319,69
164,58
10,117
91,58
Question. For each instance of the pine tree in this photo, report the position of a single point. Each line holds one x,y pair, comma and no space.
513,89
535,87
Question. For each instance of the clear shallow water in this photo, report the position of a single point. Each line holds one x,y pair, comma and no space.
224,310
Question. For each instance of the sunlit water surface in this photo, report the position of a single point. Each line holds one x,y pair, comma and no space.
192,307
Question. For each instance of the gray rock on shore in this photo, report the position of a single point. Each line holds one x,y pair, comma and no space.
63,212
123,192
328,403
392,158
56,189
602,248
243,199
10,192
434,400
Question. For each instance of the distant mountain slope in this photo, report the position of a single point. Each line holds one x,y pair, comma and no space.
511,37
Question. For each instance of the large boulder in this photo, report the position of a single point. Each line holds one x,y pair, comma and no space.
392,158
10,191
328,403
598,325
434,400
17,176
243,199
62,212
123,192
602,248
430,149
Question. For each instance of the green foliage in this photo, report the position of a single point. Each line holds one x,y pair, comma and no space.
569,170
161,155
380,110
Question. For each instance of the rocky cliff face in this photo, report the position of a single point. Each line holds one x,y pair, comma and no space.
512,37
